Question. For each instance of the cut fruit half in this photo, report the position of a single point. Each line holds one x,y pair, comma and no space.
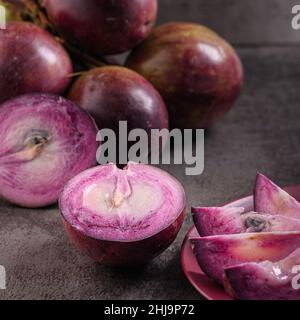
123,216
46,141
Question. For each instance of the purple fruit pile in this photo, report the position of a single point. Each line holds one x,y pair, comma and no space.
197,73
251,254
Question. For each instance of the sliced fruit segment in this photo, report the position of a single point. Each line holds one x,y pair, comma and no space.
266,280
217,221
233,220
216,253
271,199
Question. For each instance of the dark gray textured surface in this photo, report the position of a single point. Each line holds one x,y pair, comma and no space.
261,133
239,21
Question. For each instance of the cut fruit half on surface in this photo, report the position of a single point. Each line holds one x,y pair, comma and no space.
123,217
271,199
46,141
266,280
216,253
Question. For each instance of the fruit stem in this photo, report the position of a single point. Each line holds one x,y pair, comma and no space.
13,9
89,61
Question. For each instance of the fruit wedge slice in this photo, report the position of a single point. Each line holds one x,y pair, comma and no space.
216,221
231,220
216,253
266,280
271,199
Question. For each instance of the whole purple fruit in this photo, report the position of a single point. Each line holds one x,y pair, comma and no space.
31,61
46,141
103,26
198,74
113,94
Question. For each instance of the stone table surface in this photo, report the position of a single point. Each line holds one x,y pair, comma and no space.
262,132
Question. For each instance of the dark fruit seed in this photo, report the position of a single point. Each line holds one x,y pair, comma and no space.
256,224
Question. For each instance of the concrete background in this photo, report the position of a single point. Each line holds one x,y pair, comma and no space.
243,22
262,133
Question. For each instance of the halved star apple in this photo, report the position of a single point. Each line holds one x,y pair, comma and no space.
123,217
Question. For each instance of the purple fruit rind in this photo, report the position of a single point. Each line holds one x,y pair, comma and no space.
116,253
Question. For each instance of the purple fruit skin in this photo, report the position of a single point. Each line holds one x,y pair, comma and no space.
218,221
113,94
258,281
118,253
216,253
103,26
31,60
271,199
233,220
198,74
76,132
